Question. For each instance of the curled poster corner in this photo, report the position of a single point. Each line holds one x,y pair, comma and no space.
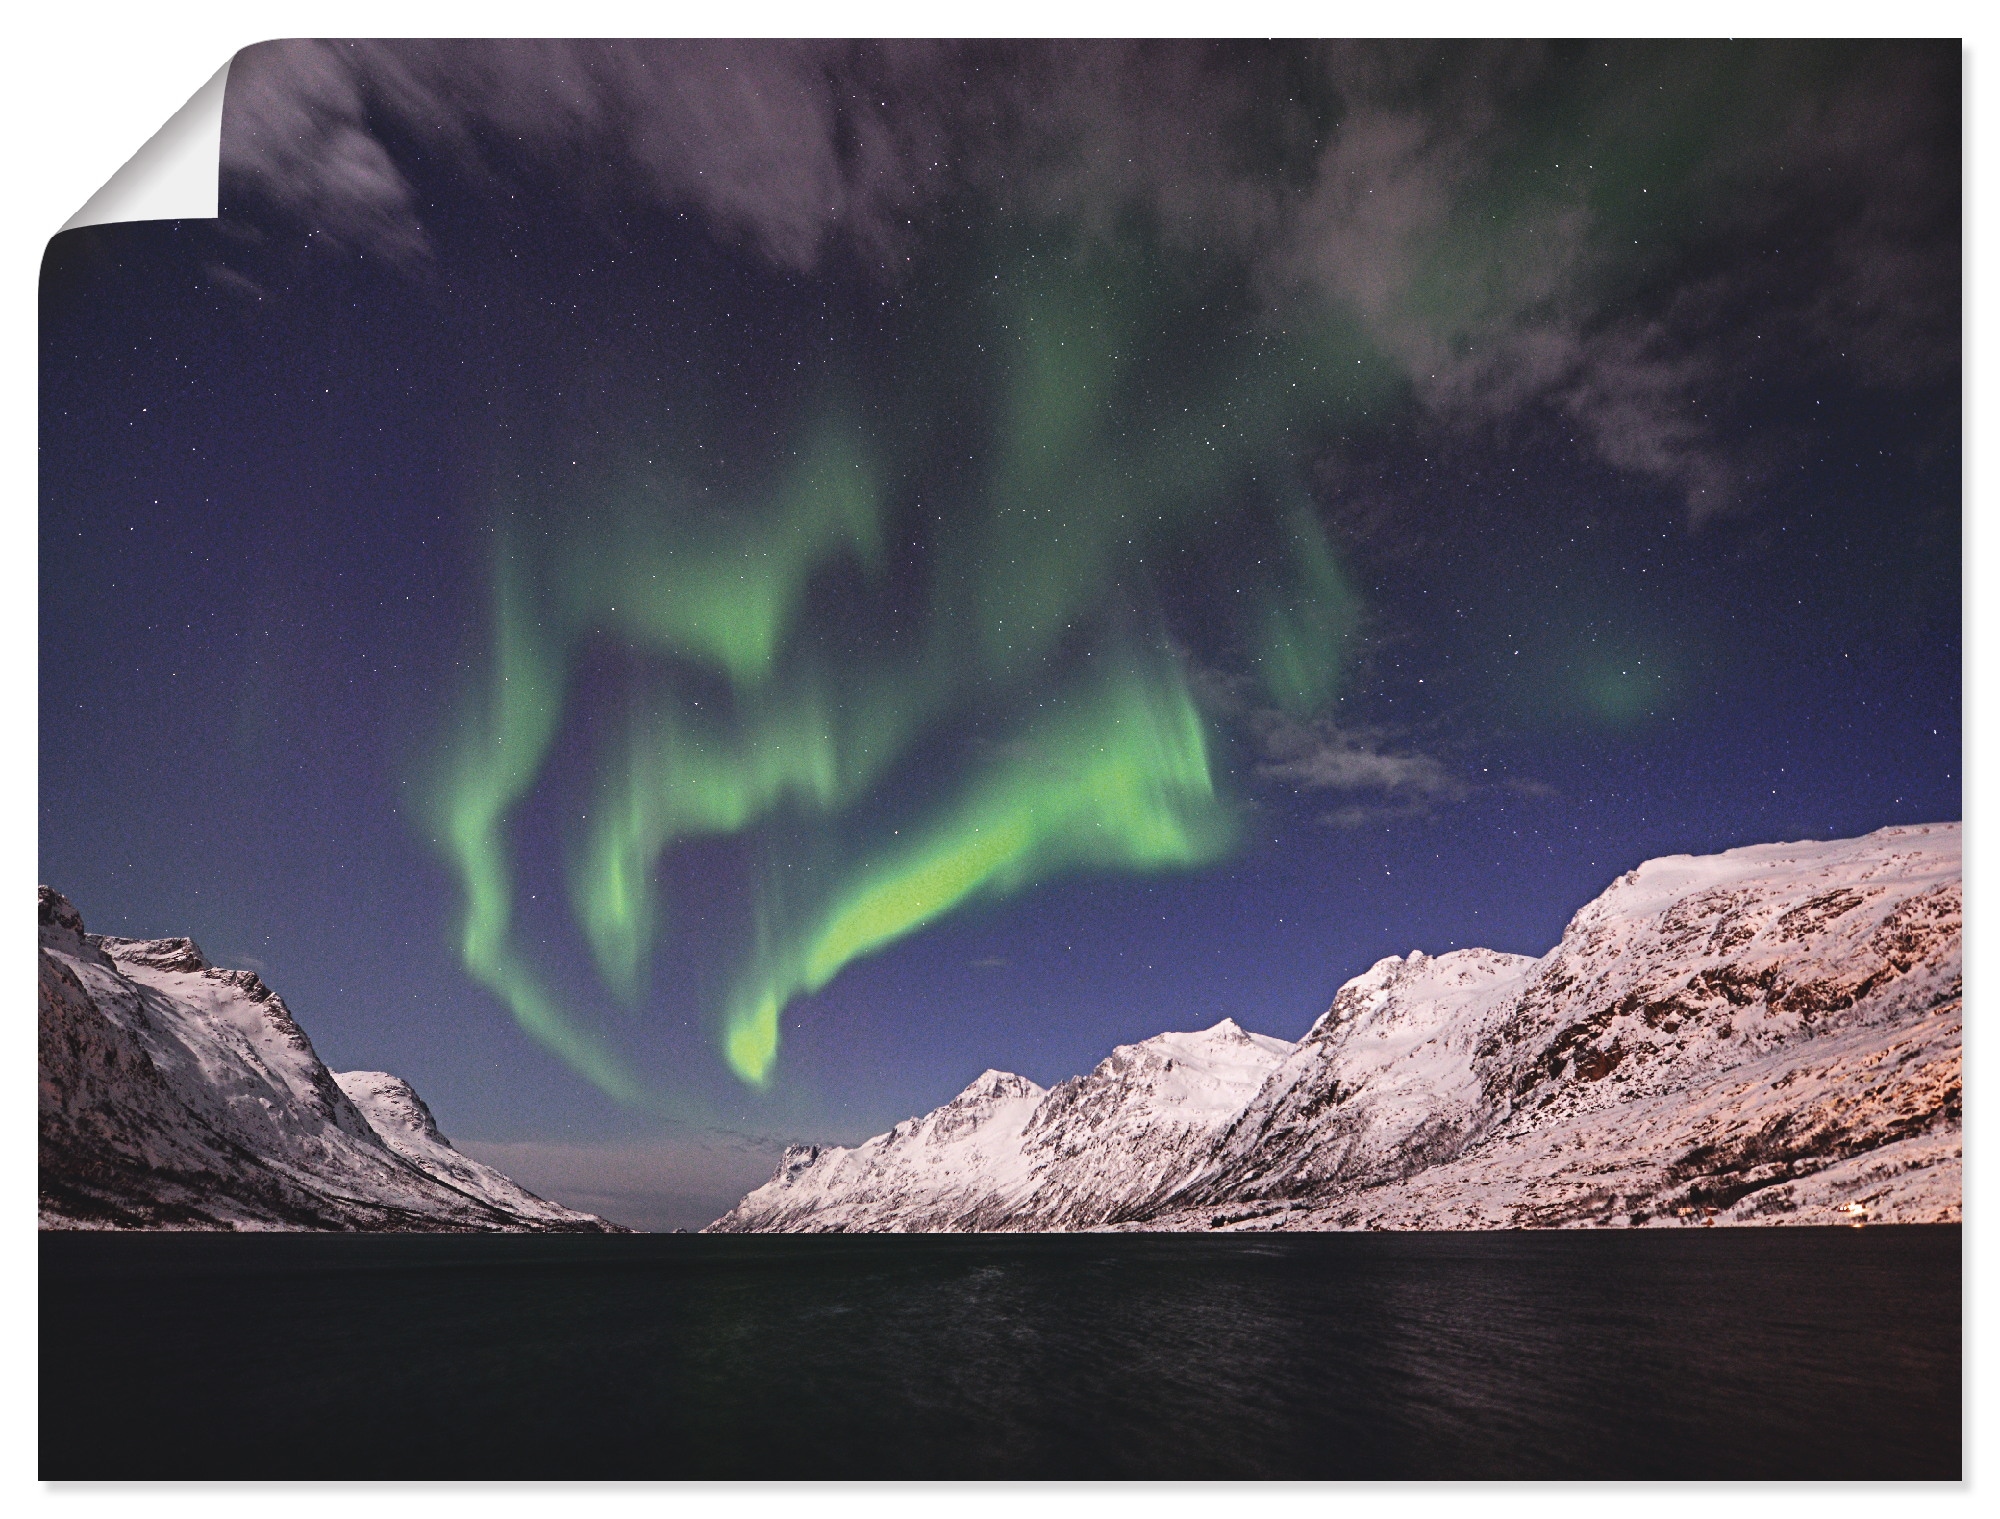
175,176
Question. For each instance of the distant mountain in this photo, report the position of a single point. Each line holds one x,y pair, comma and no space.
1770,1035
178,1095
1005,1154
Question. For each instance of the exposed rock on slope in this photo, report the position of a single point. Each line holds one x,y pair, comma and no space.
178,1095
1770,1035
1723,1036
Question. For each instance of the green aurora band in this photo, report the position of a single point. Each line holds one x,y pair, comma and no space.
1121,781
986,549
1040,627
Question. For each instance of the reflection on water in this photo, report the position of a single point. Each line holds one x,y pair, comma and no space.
1802,1353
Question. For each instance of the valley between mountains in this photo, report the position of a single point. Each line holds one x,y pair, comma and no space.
1766,1036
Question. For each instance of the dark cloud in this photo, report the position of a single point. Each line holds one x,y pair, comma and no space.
297,130
782,144
1596,234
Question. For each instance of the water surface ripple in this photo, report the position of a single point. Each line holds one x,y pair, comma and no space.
1698,1353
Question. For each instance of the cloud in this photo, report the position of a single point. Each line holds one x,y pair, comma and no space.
783,144
1489,321
297,130
1381,780
1600,235
1635,390
1322,755
229,279
1386,778
1709,208
1340,761
1373,814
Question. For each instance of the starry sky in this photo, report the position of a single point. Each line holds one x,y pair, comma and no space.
685,597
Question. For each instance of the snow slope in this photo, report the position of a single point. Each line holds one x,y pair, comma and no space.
1005,1154
961,1166
175,1094
1382,1085
1769,1035
403,1121
1753,1036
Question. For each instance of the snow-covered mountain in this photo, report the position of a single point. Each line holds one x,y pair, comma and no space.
1005,1154
1770,1035
179,1095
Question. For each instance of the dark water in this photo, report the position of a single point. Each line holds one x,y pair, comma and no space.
1795,1353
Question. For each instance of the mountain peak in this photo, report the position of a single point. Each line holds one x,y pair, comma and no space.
992,1085
175,1095
1768,1035
181,954
58,912
389,1101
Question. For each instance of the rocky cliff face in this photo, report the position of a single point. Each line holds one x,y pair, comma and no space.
1769,1035
180,1095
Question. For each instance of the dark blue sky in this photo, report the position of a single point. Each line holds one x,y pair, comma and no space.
1642,501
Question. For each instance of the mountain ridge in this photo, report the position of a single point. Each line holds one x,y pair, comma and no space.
1767,1035
175,1094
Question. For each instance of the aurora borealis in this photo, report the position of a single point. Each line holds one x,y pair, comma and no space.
750,705
706,593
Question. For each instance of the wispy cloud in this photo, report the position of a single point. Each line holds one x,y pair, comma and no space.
298,131
1382,778
1603,278
784,144
1324,755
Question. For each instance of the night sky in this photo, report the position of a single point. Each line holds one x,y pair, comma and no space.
686,597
